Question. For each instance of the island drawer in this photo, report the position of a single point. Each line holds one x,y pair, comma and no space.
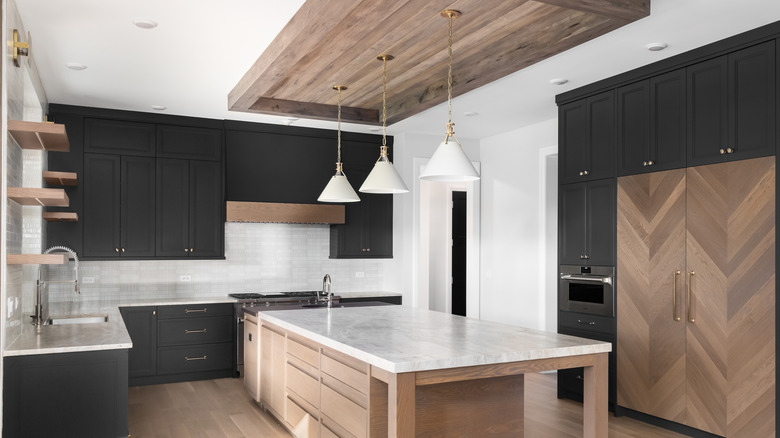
195,331
308,354
296,410
194,358
345,372
331,429
348,414
327,433
195,310
304,385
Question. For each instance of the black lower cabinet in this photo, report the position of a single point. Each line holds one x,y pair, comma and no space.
381,299
66,395
180,343
570,381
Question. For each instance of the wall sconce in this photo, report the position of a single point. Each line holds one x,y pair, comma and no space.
19,49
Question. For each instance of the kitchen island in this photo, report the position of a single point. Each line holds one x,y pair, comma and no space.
401,372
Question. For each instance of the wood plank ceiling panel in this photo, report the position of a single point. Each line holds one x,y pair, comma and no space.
336,42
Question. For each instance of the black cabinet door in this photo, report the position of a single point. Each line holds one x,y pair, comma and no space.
667,121
633,114
207,223
101,205
189,142
601,204
379,232
573,134
601,124
707,111
138,206
118,137
173,210
141,323
587,136
572,228
751,107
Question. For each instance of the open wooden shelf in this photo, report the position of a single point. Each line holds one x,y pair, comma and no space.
36,259
35,196
60,178
39,135
60,216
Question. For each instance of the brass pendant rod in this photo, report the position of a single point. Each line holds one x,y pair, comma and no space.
338,123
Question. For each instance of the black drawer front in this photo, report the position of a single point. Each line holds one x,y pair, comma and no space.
591,323
174,360
195,310
194,331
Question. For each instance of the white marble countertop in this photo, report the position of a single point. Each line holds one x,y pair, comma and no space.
103,336
402,339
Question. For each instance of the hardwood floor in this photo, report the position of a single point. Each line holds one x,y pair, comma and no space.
222,409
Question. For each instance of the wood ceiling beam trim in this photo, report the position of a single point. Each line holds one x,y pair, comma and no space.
317,111
623,9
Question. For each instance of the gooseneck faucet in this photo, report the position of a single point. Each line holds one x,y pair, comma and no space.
326,290
38,317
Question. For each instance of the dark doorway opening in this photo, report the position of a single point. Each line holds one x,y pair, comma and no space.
459,253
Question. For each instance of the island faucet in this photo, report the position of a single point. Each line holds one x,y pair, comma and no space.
326,290
38,316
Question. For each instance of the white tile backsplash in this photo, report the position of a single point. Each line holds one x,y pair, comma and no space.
259,258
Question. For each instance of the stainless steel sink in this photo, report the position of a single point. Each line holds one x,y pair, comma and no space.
77,319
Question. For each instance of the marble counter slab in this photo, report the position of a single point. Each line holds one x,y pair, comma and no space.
402,339
89,337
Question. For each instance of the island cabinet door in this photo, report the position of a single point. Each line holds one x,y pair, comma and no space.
251,357
272,369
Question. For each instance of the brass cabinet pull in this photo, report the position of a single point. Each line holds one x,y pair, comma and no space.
579,321
650,163
729,150
154,312
123,250
192,249
195,358
203,310
675,316
722,151
186,249
194,331
368,249
584,173
691,316
116,249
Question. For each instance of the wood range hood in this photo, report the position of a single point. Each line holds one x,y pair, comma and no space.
329,43
278,212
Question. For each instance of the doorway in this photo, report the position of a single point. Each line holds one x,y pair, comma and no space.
458,253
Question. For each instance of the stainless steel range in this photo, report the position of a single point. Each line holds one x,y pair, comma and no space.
269,299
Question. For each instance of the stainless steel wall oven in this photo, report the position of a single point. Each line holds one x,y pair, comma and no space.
587,289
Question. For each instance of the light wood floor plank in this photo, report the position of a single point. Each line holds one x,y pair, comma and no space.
222,409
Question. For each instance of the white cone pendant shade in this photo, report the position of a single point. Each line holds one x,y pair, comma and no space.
338,189
449,164
383,177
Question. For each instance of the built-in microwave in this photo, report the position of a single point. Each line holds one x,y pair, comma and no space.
587,289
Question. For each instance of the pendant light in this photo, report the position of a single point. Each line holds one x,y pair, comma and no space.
338,188
384,179
449,163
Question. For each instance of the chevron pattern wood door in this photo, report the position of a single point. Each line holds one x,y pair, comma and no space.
730,247
651,248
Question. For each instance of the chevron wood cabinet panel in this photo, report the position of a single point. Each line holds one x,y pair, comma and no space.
714,369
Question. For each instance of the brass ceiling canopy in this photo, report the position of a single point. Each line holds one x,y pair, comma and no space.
322,45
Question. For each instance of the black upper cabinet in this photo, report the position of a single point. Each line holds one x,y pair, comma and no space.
118,206
189,142
188,224
651,124
273,167
119,137
587,135
731,106
587,216
368,228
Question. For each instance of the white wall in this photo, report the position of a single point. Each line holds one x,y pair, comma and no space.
514,216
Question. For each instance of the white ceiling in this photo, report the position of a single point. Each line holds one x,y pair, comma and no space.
201,49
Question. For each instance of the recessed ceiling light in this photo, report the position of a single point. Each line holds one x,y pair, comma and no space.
76,66
559,81
656,47
470,113
145,24
159,107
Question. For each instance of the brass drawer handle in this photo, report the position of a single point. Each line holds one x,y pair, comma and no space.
675,316
195,331
195,358
579,321
203,310
691,315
